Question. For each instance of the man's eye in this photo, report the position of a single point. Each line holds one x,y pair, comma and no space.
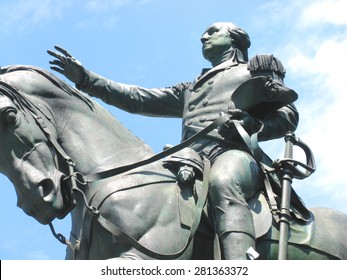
214,30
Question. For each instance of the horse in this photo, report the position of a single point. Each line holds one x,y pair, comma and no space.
52,135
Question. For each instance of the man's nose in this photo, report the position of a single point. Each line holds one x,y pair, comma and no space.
204,38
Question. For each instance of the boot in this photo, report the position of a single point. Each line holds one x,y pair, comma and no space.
235,230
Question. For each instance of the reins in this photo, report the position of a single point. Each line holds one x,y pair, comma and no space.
89,178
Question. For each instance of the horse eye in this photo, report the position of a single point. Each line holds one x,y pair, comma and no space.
11,116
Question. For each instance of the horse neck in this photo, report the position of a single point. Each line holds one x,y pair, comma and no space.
88,133
93,138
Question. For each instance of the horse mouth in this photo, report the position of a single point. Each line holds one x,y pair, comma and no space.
57,195
67,196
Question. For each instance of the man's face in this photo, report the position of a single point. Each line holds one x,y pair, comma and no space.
215,41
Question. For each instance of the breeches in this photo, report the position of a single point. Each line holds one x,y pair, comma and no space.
234,178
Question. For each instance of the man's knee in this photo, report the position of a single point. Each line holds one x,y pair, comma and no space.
234,174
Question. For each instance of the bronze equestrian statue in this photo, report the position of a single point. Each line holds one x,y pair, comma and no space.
127,202
235,175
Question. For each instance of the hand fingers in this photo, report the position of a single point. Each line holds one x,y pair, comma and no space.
63,51
235,113
52,53
61,58
71,60
270,83
57,69
57,62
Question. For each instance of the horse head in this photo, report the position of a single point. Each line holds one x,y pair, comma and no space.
28,158
29,129
40,123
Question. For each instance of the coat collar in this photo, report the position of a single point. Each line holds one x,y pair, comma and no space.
206,72
236,58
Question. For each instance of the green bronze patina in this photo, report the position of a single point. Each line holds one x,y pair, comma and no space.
156,210
142,202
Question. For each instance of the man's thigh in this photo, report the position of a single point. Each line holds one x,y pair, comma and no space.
235,172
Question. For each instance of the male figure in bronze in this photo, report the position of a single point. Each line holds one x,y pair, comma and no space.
235,174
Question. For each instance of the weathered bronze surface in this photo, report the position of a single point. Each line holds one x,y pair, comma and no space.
160,209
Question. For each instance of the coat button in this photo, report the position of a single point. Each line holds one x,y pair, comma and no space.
205,102
210,82
202,119
189,122
192,107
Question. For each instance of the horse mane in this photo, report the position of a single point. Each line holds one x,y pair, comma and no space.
13,94
49,76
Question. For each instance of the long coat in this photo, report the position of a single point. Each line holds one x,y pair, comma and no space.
198,103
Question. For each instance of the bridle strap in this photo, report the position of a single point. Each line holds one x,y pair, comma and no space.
61,238
52,140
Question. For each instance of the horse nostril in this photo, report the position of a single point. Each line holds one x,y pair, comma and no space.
46,189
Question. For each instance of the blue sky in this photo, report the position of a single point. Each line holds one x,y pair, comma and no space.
155,43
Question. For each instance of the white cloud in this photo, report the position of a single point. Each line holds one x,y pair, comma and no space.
27,14
327,11
105,23
105,5
318,59
111,5
313,44
108,9
23,16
